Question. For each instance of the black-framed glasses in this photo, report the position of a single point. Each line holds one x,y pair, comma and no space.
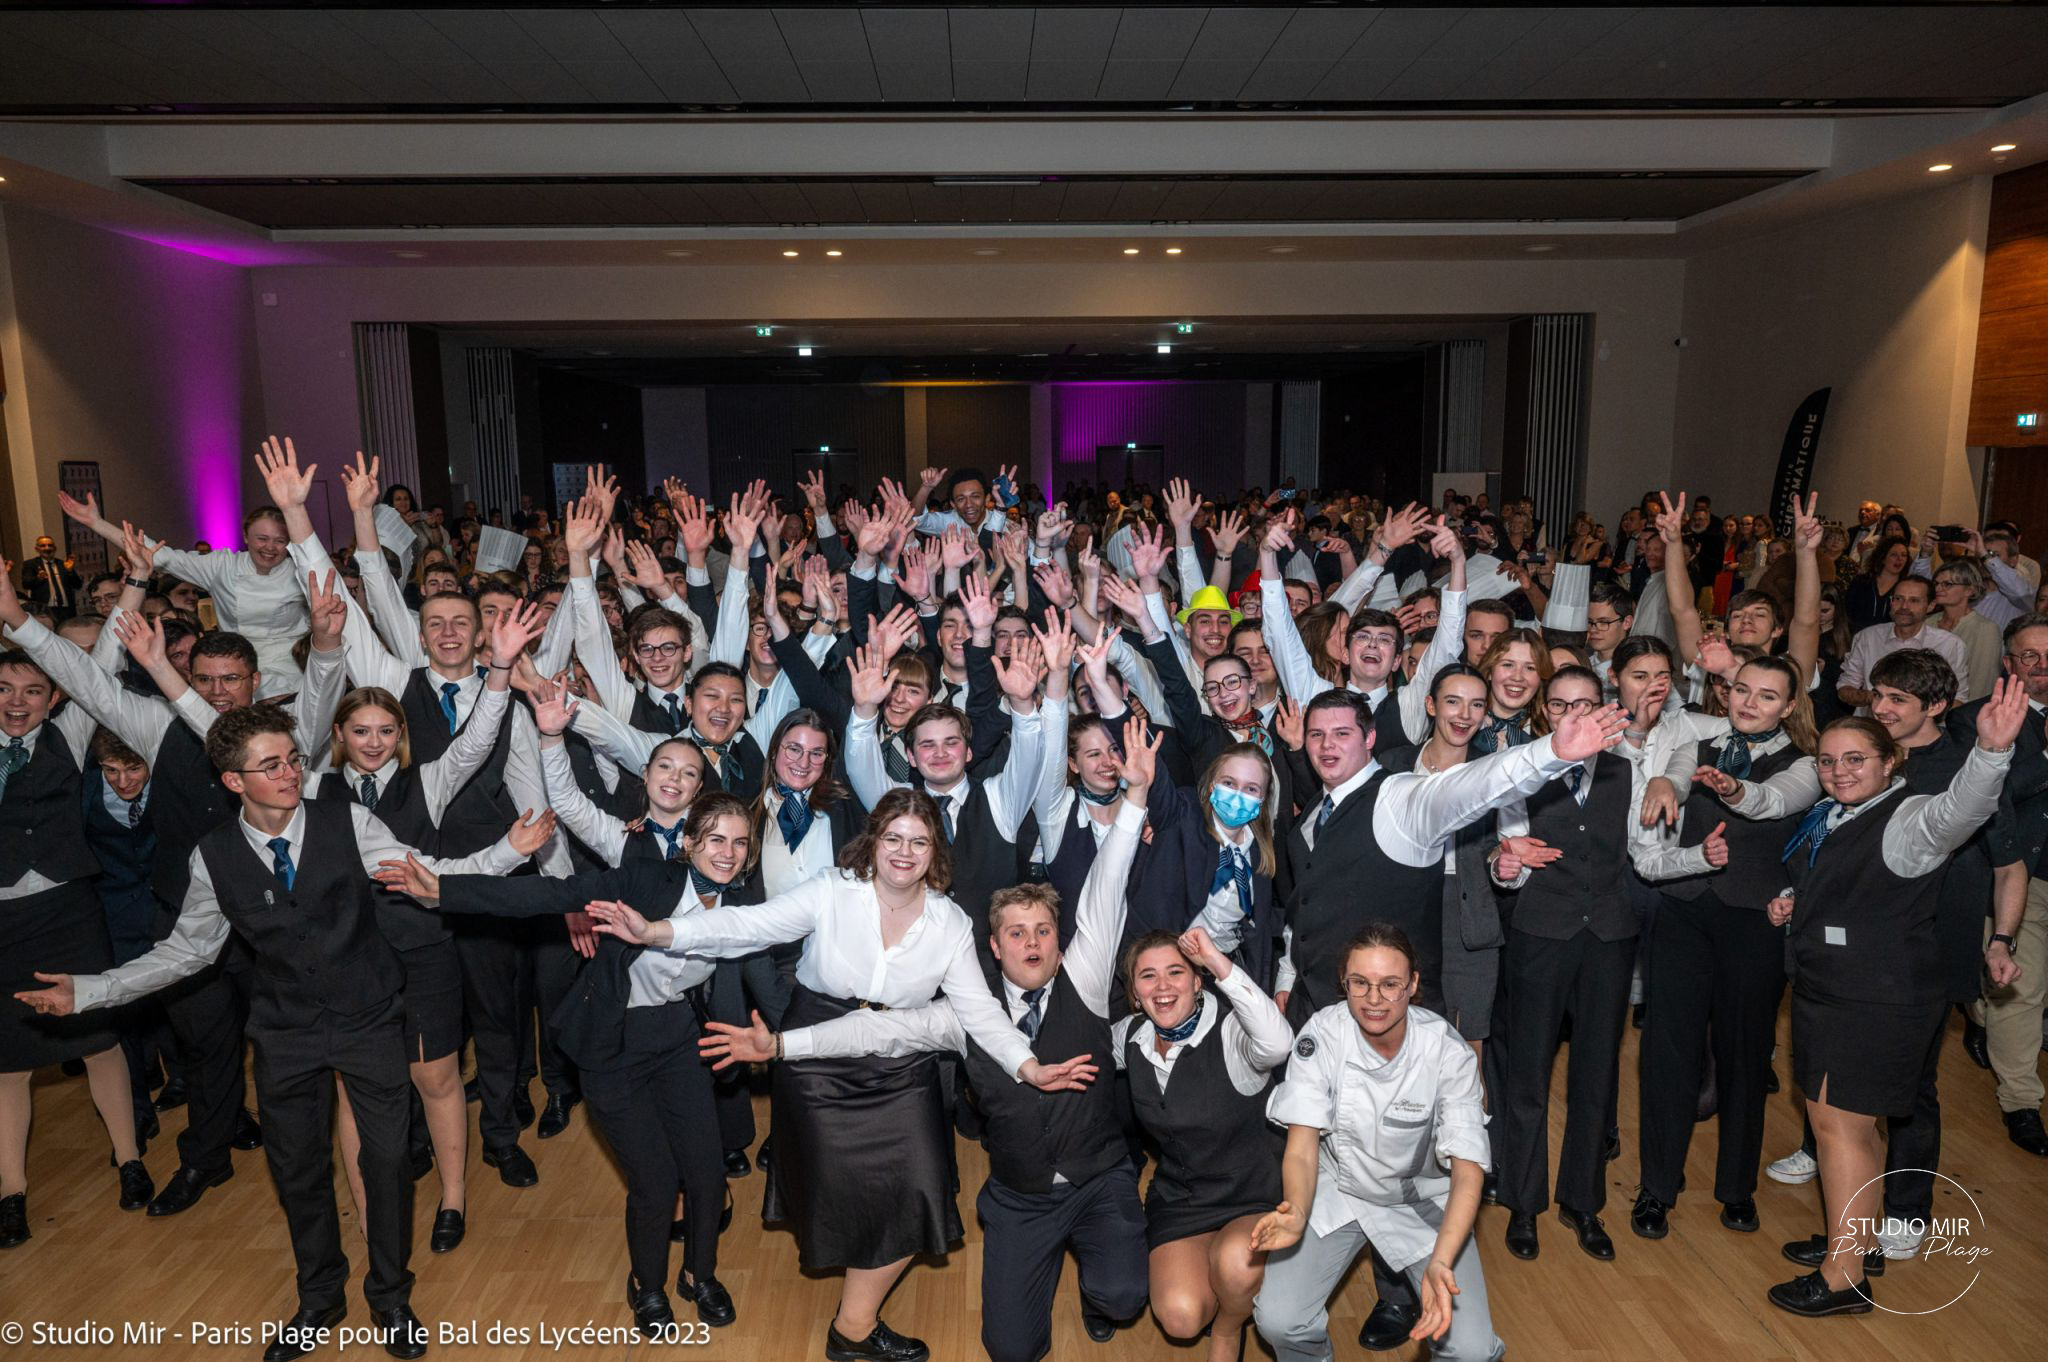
1563,707
275,768
661,650
1229,685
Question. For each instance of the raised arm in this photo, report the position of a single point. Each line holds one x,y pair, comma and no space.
1298,674
1678,592
1923,836
1802,636
137,720
1090,960
1009,794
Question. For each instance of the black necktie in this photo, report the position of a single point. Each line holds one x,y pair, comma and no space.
1033,1014
945,803
369,793
1575,781
675,714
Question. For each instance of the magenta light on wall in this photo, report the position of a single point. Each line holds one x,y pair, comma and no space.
1090,414
201,391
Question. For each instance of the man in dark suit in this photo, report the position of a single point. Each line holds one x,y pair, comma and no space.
50,581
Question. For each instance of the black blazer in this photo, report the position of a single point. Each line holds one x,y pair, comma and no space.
1202,736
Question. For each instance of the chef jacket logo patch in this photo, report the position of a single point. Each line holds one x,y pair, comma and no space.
1305,1047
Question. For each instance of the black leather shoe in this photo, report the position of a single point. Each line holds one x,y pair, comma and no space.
1101,1328
248,1132
171,1096
513,1166
137,1187
1812,1296
296,1336
1976,1044
13,1220
736,1164
2023,1128
1813,1251
185,1188
883,1345
1740,1215
713,1301
1489,1190
651,1313
404,1336
554,1117
1521,1236
1592,1234
522,1106
449,1227
1648,1219
1387,1327
1613,1145
422,1163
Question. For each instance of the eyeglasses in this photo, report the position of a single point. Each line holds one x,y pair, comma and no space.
2029,658
1608,623
1569,706
1851,762
1229,685
662,650
1387,989
792,751
275,768
895,842
222,681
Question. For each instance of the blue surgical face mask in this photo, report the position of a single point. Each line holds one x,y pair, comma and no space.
1234,808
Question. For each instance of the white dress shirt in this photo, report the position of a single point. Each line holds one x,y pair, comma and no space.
657,977
1009,794
1223,912
784,868
267,608
202,929
445,775
1256,1039
1880,640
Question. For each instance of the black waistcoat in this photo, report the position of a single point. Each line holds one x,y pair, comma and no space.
481,809
1586,889
1859,932
402,808
1032,1135
983,859
650,717
126,852
318,951
1755,871
1216,1147
1346,882
191,802
41,823
625,802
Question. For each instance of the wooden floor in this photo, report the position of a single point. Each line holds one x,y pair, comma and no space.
554,1254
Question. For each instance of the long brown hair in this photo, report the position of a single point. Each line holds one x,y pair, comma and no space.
368,697
859,854
1268,861
828,790
1538,649
1316,626
1798,720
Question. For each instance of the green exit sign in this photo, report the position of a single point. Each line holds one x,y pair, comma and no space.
2029,419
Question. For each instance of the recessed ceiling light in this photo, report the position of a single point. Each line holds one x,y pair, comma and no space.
803,352
790,254
1130,250
1937,169
2007,146
1165,349
1540,246
410,255
679,254
1282,250
1173,250
835,253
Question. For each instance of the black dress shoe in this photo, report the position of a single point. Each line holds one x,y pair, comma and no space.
1813,1251
1648,1219
1740,1215
554,1117
883,1345
1100,1327
1812,1296
1387,1327
295,1337
1592,1234
522,1106
2023,1128
13,1220
1976,1044
137,1187
736,1164
404,1336
171,1097
1613,1145
449,1227
1489,1190
248,1132
1521,1236
713,1301
513,1166
651,1313
185,1188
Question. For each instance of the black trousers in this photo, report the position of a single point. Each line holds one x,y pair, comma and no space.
733,1091
1587,979
655,1111
295,1071
554,964
1720,974
1026,1238
1913,1150
495,993
208,1015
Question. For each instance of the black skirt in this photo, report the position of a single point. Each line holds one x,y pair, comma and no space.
59,931
862,1161
1870,1055
433,1001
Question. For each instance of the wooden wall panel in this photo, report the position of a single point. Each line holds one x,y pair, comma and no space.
2012,331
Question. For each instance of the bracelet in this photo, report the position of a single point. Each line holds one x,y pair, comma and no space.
778,1045
140,583
496,668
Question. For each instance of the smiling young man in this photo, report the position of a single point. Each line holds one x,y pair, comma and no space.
292,881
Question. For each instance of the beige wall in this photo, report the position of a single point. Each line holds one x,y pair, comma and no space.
309,385
1882,305
139,356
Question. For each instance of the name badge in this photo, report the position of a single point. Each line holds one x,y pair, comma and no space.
268,897
1837,936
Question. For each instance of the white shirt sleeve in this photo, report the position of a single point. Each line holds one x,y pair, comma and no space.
369,661
742,928
1461,1109
1416,812
889,1035
594,647
1446,646
1009,794
1308,1096
194,943
1090,959
628,746
981,1016
529,793
865,769
1792,790
1352,591
320,688
1298,675
467,752
729,639
378,843
1929,828
137,720
590,825
1256,1037
396,622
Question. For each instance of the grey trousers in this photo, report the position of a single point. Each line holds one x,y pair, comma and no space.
1293,1308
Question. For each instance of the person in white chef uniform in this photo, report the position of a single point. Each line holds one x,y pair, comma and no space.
1386,1142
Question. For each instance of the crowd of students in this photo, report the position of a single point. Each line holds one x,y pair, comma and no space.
1276,842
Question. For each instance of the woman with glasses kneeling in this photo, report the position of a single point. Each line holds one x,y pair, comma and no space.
1868,1002
1386,1142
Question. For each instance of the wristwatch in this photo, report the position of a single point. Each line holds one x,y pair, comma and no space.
2007,938
139,583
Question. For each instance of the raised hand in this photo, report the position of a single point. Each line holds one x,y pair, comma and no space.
1018,678
1404,525
757,500
930,479
143,637
1671,520
1005,472
584,526
1716,658
86,513
1999,721
1126,597
1277,541
554,705
1196,945
1716,846
1015,545
601,490
531,832
613,917
914,573
1579,736
514,629
818,588
1444,541
978,602
812,485
1140,764
871,537
893,497
1182,506
325,607
1148,551
1228,532
1057,584
1290,725
741,525
1056,641
137,552
1095,659
957,549
867,680
727,1045
1054,526
898,629
693,523
646,570
279,463
359,483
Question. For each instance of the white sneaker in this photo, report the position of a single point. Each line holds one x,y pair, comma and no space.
1796,1167
1901,1238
